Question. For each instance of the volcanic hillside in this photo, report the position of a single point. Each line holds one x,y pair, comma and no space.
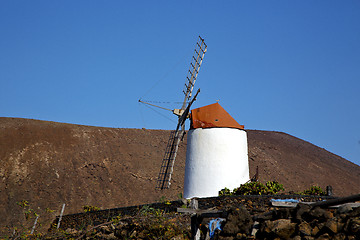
49,163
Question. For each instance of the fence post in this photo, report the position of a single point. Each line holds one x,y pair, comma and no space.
195,231
33,228
61,214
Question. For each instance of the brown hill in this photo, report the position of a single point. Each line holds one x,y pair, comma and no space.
49,163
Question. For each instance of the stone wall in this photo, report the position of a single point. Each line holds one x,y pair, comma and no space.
246,217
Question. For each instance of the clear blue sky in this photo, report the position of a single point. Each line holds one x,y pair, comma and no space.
290,66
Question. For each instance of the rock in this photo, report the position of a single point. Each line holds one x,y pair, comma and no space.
342,216
340,225
121,233
331,226
255,228
323,237
71,231
266,227
263,217
105,229
319,214
343,209
240,236
353,226
111,236
301,211
339,236
101,235
238,221
133,234
226,238
180,237
315,231
308,238
282,213
355,212
282,228
305,229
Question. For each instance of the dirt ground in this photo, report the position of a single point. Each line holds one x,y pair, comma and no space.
49,163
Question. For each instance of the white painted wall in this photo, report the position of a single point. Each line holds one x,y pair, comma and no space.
215,158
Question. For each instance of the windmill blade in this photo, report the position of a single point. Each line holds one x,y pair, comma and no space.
168,161
195,64
167,165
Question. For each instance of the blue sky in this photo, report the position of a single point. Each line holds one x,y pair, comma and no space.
290,66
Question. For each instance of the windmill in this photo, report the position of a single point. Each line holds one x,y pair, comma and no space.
166,170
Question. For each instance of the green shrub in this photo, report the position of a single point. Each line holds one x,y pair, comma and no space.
225,192
89,208
274,187
251,188
164,200
254,188
314,190
146,210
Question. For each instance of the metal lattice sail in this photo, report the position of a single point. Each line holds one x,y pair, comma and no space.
166,170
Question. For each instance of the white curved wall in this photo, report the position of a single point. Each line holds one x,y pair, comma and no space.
215,158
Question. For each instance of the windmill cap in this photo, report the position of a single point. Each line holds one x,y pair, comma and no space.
211,116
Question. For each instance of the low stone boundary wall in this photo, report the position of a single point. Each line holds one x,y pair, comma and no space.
255,204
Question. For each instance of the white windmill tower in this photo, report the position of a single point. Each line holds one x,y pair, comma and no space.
216,154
